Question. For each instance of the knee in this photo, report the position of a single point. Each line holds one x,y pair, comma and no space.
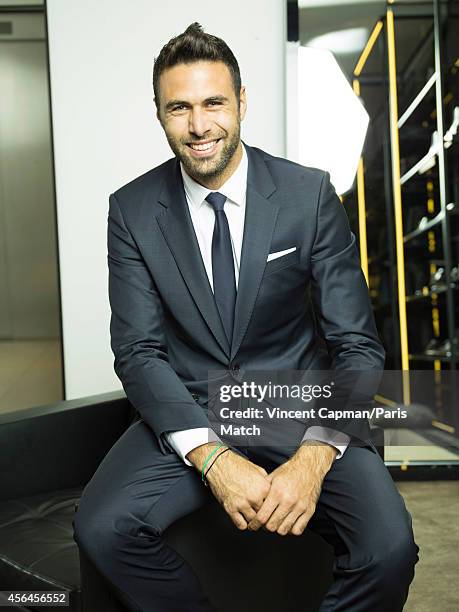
105,534
394,560
92,531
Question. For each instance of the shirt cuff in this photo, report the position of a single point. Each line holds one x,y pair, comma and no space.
186,440
337,439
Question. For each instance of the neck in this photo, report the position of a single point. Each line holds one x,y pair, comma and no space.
215,182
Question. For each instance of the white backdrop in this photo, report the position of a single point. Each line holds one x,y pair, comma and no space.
106,133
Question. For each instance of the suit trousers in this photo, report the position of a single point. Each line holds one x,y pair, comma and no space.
137,492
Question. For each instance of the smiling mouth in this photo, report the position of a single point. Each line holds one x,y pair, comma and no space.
203,147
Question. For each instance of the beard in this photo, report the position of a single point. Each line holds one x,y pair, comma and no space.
207,168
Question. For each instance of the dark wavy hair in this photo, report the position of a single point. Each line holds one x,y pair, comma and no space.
195,45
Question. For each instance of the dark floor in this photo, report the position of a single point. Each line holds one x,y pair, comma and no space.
434,506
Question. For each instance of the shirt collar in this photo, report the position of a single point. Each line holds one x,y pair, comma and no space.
234,189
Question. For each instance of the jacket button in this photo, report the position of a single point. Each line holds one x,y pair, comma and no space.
195,396
235,368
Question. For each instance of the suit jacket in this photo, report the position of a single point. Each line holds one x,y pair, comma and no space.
166,333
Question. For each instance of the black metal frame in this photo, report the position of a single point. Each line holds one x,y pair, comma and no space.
404,11
443,218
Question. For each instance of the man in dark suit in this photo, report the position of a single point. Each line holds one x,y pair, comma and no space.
217,260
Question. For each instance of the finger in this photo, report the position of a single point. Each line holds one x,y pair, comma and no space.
238,520
277,517
301,523
266,510
247,512
257,504
288,522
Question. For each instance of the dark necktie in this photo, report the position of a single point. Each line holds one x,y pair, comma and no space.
223,264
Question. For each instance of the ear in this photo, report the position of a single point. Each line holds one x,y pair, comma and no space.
242,103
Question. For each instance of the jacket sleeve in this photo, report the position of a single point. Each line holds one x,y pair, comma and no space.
138,341
339,290
343,309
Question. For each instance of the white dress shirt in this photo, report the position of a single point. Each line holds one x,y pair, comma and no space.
203,218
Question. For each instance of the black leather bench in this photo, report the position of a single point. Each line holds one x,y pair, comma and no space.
49,453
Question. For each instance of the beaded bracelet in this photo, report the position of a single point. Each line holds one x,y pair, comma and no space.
210,466
211,454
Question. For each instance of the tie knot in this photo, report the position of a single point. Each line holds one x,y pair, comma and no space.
216,200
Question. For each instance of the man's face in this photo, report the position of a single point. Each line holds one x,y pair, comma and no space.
201,116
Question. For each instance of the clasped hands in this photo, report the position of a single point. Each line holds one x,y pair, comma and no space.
282,501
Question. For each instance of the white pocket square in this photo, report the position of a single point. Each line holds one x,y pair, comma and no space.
280,253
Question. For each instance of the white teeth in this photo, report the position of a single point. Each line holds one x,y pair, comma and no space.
203,147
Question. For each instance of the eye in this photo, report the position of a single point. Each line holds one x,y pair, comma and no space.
214,102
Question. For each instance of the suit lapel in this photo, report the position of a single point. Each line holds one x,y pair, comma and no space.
177,228
260,220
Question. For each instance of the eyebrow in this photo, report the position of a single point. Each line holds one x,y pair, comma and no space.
173,103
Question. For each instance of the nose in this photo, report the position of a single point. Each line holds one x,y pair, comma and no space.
199,122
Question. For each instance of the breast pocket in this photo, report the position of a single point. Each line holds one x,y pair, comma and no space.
284,261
